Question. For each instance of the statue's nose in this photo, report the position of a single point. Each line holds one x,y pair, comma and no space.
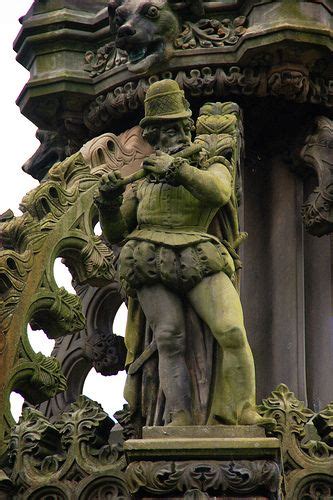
126,30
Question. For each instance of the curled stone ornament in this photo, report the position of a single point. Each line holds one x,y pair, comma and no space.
290,81
103,59
240,477
105,487
211,33
316,488
218,81
306,457
73,453
324,424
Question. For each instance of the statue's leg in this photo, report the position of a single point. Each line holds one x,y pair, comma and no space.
217,303
164,312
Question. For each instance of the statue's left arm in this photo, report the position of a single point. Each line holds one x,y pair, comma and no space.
212,186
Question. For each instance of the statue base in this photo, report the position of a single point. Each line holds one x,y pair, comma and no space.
202,462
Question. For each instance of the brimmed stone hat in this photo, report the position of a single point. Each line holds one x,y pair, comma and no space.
165,101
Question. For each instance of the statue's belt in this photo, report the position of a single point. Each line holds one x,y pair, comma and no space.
144,356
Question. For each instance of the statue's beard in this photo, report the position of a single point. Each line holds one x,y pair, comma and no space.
172,150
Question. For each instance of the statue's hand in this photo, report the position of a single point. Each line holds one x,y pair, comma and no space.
109,190
158,163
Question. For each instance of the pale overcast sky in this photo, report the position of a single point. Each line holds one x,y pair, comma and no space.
18,143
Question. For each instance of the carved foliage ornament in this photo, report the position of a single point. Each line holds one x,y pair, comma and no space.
205,33
208,33
291,82
239,477
56,221
103,59
77,445
74,447
205,82
305,440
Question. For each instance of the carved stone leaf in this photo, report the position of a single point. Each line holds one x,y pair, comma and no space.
105,58
58,313
124,418
33,435
210,33
290,413
85,421
48,376
49,200
317,450
202,477
97,259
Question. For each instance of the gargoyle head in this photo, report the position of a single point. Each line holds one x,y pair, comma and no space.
145,30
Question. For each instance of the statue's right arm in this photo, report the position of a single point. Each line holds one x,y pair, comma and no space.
118,222
117,212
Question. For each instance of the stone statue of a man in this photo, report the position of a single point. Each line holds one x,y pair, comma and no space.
168,258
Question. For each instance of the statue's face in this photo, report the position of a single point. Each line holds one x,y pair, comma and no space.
173,136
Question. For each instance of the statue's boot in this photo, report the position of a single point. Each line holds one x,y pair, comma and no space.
234,391
180,418
250,416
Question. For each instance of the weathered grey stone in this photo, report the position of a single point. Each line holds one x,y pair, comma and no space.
203,431
199,448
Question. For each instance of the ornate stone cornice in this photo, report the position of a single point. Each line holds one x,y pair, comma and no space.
52,45
289,82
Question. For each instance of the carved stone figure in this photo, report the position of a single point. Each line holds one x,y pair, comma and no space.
316,154
53,148
145,30
170,259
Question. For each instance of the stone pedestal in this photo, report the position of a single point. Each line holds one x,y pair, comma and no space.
204,462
